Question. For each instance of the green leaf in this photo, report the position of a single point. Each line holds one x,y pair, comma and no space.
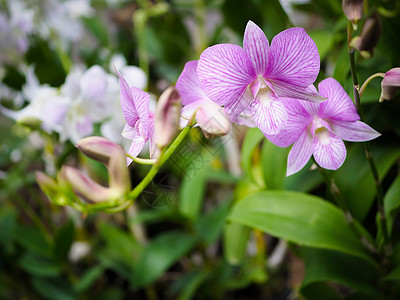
8,225
193,189
188,284
38,265
393,276
236,237
315,290
253,137
300,218
303,181
159,255
88,278
33,240
54,288
63,241
210,225
323,40
392,202
274,160
356,172
326,265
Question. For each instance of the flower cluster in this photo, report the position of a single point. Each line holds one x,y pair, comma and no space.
269,86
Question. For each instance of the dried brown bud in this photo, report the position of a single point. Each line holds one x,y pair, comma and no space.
166,122
370,34
353,9
390,84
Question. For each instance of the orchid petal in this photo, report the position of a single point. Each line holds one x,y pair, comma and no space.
269,115
93,83
298,119
188,84
293,58
339,105
129,132
288,90
127,103
141,100
241,104
224,71
300,153
151,135
256,45
329,150
354,131
136,146
213,119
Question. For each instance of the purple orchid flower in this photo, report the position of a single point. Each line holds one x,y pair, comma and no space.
211,117
139,120
319,129
258,74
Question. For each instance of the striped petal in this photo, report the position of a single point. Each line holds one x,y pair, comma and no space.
269,114
293,58
338,105
329,150
300,153
224,71
188,85
127,104
353,131
256,45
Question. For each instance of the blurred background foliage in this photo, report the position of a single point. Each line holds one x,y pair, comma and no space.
176,242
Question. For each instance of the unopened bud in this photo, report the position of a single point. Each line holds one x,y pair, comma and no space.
390,84
47,184
119,180
353,9
84,186
213,120
370,34
166,122
98,148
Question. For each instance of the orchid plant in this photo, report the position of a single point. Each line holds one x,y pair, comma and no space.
307,175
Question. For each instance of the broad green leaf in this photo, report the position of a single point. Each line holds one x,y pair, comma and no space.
393,276
39,265
187,285
315,290
54,288
253,137
8,225
392,202
332,266
303,181
33,240
323,40
159,255
193,188
63,241
210,225
274,163
236,237
300,218
356,172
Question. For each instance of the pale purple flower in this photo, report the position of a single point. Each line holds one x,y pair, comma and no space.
319,128
209,116
139,120
255,76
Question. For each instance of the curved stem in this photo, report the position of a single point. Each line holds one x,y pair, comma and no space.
164,156
368,80
142,161
368,153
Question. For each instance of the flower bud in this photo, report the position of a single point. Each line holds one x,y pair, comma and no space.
370,34
213,120
98,148
390,84
47,184
166,122
353,9
84,186
119,180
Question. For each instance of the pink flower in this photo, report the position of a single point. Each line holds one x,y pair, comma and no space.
139,120
256,76
209,116
319,129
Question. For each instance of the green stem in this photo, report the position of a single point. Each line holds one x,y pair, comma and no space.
368,80
364,236
142,161
368,153
164,156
